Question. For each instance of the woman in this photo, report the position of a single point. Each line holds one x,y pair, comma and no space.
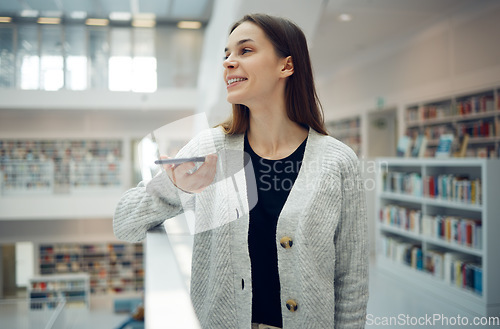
298,257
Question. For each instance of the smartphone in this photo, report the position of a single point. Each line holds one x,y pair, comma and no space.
180,160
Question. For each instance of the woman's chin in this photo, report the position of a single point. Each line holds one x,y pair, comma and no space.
233,100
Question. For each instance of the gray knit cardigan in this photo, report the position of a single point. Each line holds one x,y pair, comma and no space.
325,271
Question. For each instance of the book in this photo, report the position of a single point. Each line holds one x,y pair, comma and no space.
444,147
404,146
463,142
478,279
482,152
419,146
448,265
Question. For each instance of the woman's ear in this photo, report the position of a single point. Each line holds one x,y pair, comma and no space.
287,68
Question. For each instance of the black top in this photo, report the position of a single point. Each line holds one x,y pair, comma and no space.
275,179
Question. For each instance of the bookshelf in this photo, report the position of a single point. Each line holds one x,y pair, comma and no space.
348,131
112,267
437,227
45,291
59,166
476,114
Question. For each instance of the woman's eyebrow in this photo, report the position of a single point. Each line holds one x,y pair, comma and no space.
242,41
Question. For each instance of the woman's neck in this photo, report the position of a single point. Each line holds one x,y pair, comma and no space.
272,135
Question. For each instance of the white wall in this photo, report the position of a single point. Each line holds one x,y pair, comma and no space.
161,100
459,54
25,263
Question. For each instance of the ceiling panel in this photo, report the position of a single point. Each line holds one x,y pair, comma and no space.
189,9
374,25
109,6
10,6
165,10
71,6
159,7
42,5
394,6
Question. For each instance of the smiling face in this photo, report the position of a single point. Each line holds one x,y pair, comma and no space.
253,72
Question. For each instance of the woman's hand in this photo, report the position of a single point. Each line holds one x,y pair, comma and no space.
195,182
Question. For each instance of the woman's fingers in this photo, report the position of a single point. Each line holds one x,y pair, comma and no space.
208,168
168,168
185,169
204,176
206,173
188,179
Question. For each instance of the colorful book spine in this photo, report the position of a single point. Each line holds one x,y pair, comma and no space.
458,188
454,268
401,217
461,231
402,182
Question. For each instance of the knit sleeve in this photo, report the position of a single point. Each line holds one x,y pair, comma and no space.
146,206
351,245
150,204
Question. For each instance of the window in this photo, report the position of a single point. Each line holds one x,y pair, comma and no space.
79,57
27,57
52,61
144,62
98,56
7,59
132,65
76,58
120,61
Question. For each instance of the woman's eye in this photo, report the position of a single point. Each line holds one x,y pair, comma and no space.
243,51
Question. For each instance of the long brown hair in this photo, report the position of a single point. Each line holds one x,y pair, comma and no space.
302,102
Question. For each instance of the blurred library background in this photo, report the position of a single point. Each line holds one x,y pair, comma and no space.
413,87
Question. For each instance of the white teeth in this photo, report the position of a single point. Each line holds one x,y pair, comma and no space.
231,81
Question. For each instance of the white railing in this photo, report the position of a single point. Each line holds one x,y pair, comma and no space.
167,300
17,313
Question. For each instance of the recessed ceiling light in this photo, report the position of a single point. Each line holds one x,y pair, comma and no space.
345,18
5,19
143,23
149,16
120,16
49,20
97,21
189,25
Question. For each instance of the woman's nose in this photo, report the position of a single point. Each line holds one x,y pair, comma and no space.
230,63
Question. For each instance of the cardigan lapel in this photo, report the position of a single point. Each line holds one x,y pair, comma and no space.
234,165
307,177
304,185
